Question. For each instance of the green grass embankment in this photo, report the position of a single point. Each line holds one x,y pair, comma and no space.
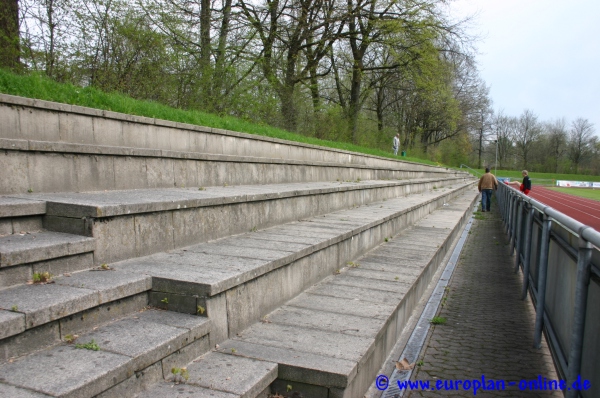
40,87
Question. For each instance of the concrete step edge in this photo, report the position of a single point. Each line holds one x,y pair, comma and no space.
111,354
32,247
128,202
18,207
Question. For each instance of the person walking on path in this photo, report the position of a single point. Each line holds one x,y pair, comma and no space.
396,144
487,184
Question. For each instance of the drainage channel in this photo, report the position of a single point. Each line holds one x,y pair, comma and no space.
417,339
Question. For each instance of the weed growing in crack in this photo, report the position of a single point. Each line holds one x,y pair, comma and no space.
180,375
92,345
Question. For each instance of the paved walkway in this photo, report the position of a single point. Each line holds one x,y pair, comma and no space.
489,330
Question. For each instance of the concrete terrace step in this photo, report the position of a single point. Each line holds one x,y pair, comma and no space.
331,340
239,279
20,215
16,207
133,351
230,280
247,378
38,246
52,147
22,255
135,223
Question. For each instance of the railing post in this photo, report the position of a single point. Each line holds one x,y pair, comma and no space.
542,274
515,223
501,203
527,254
584,257
510,216
518,242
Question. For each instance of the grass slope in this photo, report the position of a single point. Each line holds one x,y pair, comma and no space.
40,87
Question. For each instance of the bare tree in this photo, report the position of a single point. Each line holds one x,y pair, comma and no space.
482,115
581,142
504,127
556,134
526,135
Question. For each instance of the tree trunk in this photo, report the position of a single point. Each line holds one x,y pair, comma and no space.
288,107
9,34
205,51
354,100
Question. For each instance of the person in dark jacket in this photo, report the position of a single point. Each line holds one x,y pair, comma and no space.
525,186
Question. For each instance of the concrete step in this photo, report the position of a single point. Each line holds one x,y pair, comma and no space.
330,340
221,376
52,147
23,255
136,223
221,279
39,246
237,280
132,353
20,215
36,316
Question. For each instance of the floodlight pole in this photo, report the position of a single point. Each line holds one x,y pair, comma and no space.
496,164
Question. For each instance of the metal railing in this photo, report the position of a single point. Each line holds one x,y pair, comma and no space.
558,257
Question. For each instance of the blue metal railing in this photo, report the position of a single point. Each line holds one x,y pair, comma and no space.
557,255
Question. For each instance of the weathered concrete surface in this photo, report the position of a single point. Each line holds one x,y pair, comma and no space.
45,303
29,341
12,322
136,384
29,248
489,330
242,274
18,207
121,202
68,372
111,285
40,304
351,317
92,167
136,223
145,342
62,124
14,392
168,390
243,377
20,274
86,320
137,343
185,280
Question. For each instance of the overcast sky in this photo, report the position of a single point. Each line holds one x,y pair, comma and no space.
542,55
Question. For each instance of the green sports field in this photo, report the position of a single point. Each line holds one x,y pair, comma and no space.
582,192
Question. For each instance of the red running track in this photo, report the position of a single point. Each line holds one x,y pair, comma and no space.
586,211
